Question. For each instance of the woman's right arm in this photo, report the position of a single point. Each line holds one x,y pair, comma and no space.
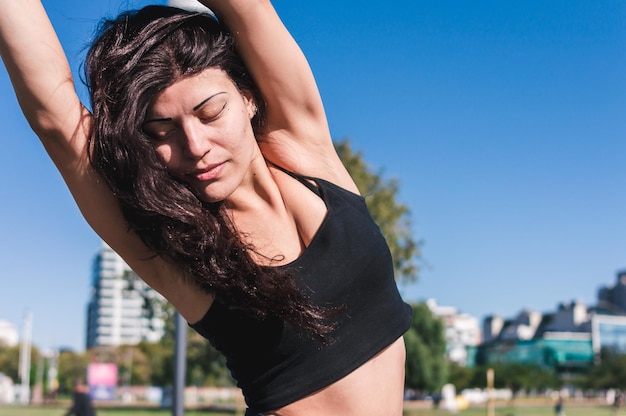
43,84
42,81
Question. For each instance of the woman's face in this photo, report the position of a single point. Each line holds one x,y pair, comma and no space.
200,127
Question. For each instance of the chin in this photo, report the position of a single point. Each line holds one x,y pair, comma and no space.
213,197
209,198
216,191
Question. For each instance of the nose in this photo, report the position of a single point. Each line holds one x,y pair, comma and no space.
196,142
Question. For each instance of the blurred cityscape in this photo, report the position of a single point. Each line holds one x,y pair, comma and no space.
567,338
122,310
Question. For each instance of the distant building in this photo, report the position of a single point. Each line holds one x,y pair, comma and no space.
568,340
523,327
462,332
561,341
608,332
612,299
608,318
118,311
492,326
8,334
569,317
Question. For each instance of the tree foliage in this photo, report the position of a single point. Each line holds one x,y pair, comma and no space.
426,365
391,216
608,373
72,367
461,377
10,358
160,361
205,365
9,361
517,377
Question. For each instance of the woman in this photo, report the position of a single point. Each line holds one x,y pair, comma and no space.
208,165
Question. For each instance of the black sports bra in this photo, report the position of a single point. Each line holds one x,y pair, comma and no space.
347,265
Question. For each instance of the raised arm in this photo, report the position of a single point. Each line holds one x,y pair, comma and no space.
297,135
42,80
274,58
43,83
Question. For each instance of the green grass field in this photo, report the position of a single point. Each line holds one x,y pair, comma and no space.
520,411
570,410
60,411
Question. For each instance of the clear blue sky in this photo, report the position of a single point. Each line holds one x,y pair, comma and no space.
504,122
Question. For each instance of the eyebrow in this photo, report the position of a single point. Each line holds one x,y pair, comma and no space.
196,108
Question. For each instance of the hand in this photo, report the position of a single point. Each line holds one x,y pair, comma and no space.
191,5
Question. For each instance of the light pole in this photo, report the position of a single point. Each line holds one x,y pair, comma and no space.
180,356
24,360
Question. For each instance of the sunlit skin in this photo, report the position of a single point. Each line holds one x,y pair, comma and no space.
200,127
201,130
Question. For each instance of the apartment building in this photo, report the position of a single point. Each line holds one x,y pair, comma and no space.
461,330
122,309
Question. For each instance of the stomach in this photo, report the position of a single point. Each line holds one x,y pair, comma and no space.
376,388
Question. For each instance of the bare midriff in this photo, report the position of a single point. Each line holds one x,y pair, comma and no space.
374,389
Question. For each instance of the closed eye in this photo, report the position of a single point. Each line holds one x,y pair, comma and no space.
208,114
160,129
208,110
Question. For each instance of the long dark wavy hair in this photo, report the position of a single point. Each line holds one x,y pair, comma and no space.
133,58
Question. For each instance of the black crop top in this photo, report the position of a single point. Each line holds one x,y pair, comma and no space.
348,265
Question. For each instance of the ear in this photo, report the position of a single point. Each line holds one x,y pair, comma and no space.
250,104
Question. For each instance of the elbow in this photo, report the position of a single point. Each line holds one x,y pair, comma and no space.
44,124
63,126
65,137
51,109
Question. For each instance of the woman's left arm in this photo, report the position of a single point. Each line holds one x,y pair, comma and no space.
297,134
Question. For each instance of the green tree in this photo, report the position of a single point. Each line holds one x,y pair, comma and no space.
460,376
205,365
72,367
160,359
9,361
517,377
134,367
426,365
609,373
391,216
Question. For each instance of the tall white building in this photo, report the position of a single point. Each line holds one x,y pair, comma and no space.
117,313
461,331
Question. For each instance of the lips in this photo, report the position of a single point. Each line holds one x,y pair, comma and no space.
206,173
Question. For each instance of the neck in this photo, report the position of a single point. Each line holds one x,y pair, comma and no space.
258,191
